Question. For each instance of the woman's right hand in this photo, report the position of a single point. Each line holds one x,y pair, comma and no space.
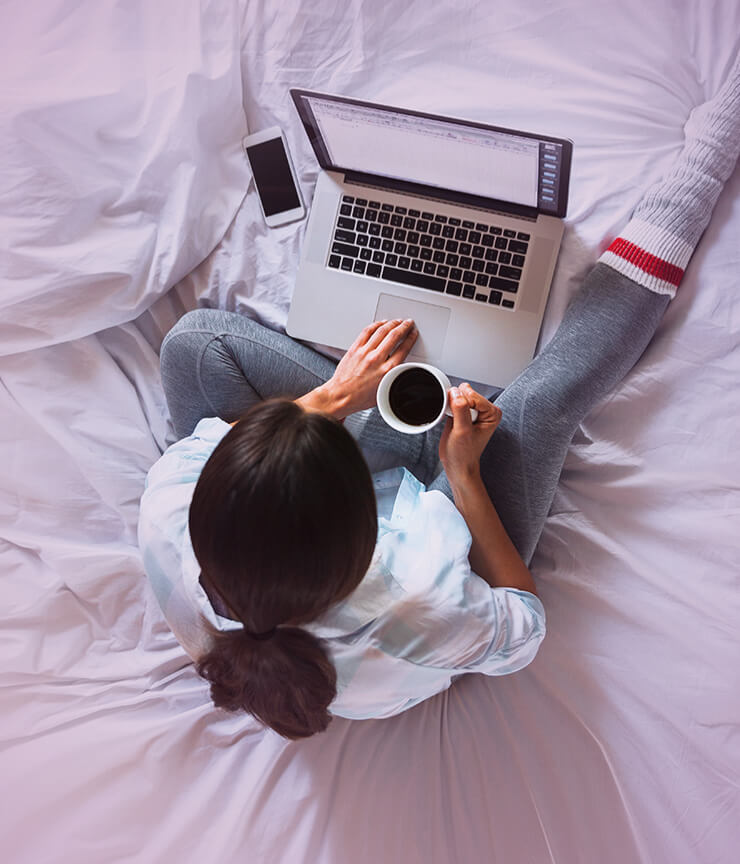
463,441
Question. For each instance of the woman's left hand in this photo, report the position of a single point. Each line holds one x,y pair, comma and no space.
379,347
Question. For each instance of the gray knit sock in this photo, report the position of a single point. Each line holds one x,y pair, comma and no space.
656,244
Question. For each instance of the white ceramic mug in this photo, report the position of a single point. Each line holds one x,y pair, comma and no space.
387,413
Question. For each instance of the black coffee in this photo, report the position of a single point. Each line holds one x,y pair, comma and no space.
416,397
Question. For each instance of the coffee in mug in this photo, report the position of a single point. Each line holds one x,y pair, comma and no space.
416,397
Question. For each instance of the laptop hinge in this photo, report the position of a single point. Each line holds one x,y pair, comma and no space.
435,193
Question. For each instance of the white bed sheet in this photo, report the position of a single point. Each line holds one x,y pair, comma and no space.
620,742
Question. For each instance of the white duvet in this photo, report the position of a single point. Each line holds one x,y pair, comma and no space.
120,174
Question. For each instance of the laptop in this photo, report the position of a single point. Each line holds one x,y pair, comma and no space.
452,223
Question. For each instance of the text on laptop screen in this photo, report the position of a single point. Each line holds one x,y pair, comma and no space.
432,152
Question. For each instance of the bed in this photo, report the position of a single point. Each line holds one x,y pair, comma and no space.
125,202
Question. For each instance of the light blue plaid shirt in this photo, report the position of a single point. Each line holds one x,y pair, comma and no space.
418,619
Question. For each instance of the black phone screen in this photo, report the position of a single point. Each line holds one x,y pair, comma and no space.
273,177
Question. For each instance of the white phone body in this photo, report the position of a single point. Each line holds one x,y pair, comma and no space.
274,176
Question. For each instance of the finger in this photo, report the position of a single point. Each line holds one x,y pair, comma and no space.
385,337
404,346
366,333
460,409
487,411
392,340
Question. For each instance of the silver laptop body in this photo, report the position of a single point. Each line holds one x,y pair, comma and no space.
399,229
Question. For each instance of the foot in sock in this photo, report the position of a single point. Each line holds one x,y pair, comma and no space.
655,246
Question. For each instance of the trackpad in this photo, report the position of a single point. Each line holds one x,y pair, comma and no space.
431,322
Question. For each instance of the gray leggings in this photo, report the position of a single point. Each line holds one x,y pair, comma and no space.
217,363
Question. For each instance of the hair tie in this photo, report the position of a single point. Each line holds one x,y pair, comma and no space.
261,637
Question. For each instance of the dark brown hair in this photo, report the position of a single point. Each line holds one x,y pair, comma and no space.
283,522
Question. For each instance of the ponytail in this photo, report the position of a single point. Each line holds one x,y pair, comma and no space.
286,681
283,523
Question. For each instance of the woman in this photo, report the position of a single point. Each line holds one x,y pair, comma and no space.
305,586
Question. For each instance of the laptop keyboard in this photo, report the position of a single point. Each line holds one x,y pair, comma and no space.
473,260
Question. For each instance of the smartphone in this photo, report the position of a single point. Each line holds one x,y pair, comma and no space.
274,176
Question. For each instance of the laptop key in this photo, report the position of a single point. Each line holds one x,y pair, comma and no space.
501,243
495,298
358,212
481,298
375,242
374,204
461,234
396,220
452,260
440,218
374,270
400,248
443,271
522,235
438,243
366,254
387,245
503,284
478,266
468,276
451,245
402,210
362,239
378,257
345,236
494,229
345,249
466,249
425,240
430,268
456,274
454,288
438,257
413,251
468,224
478,251
417,265
509,233
504,257
359,267
391,260
422,226
362,226
387,207
454,221
409,223
508,303
345,210
348,198
347,264
487,240
399,234
518,247
425,254
491,268
427,215
334,260
409,277
344,222
383,218
448,231
482,280
413,237
511,273
481,226
404,262
518,260
386,231
465,262
436,229
361,201
371,215
469,291
414,213
474,236
491,255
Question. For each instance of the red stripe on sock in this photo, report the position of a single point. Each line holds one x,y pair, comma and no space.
648,263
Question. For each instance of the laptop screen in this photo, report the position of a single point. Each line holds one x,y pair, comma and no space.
467,158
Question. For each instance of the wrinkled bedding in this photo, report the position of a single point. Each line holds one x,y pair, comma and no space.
125,202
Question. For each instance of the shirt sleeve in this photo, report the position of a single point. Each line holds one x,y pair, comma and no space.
450,617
